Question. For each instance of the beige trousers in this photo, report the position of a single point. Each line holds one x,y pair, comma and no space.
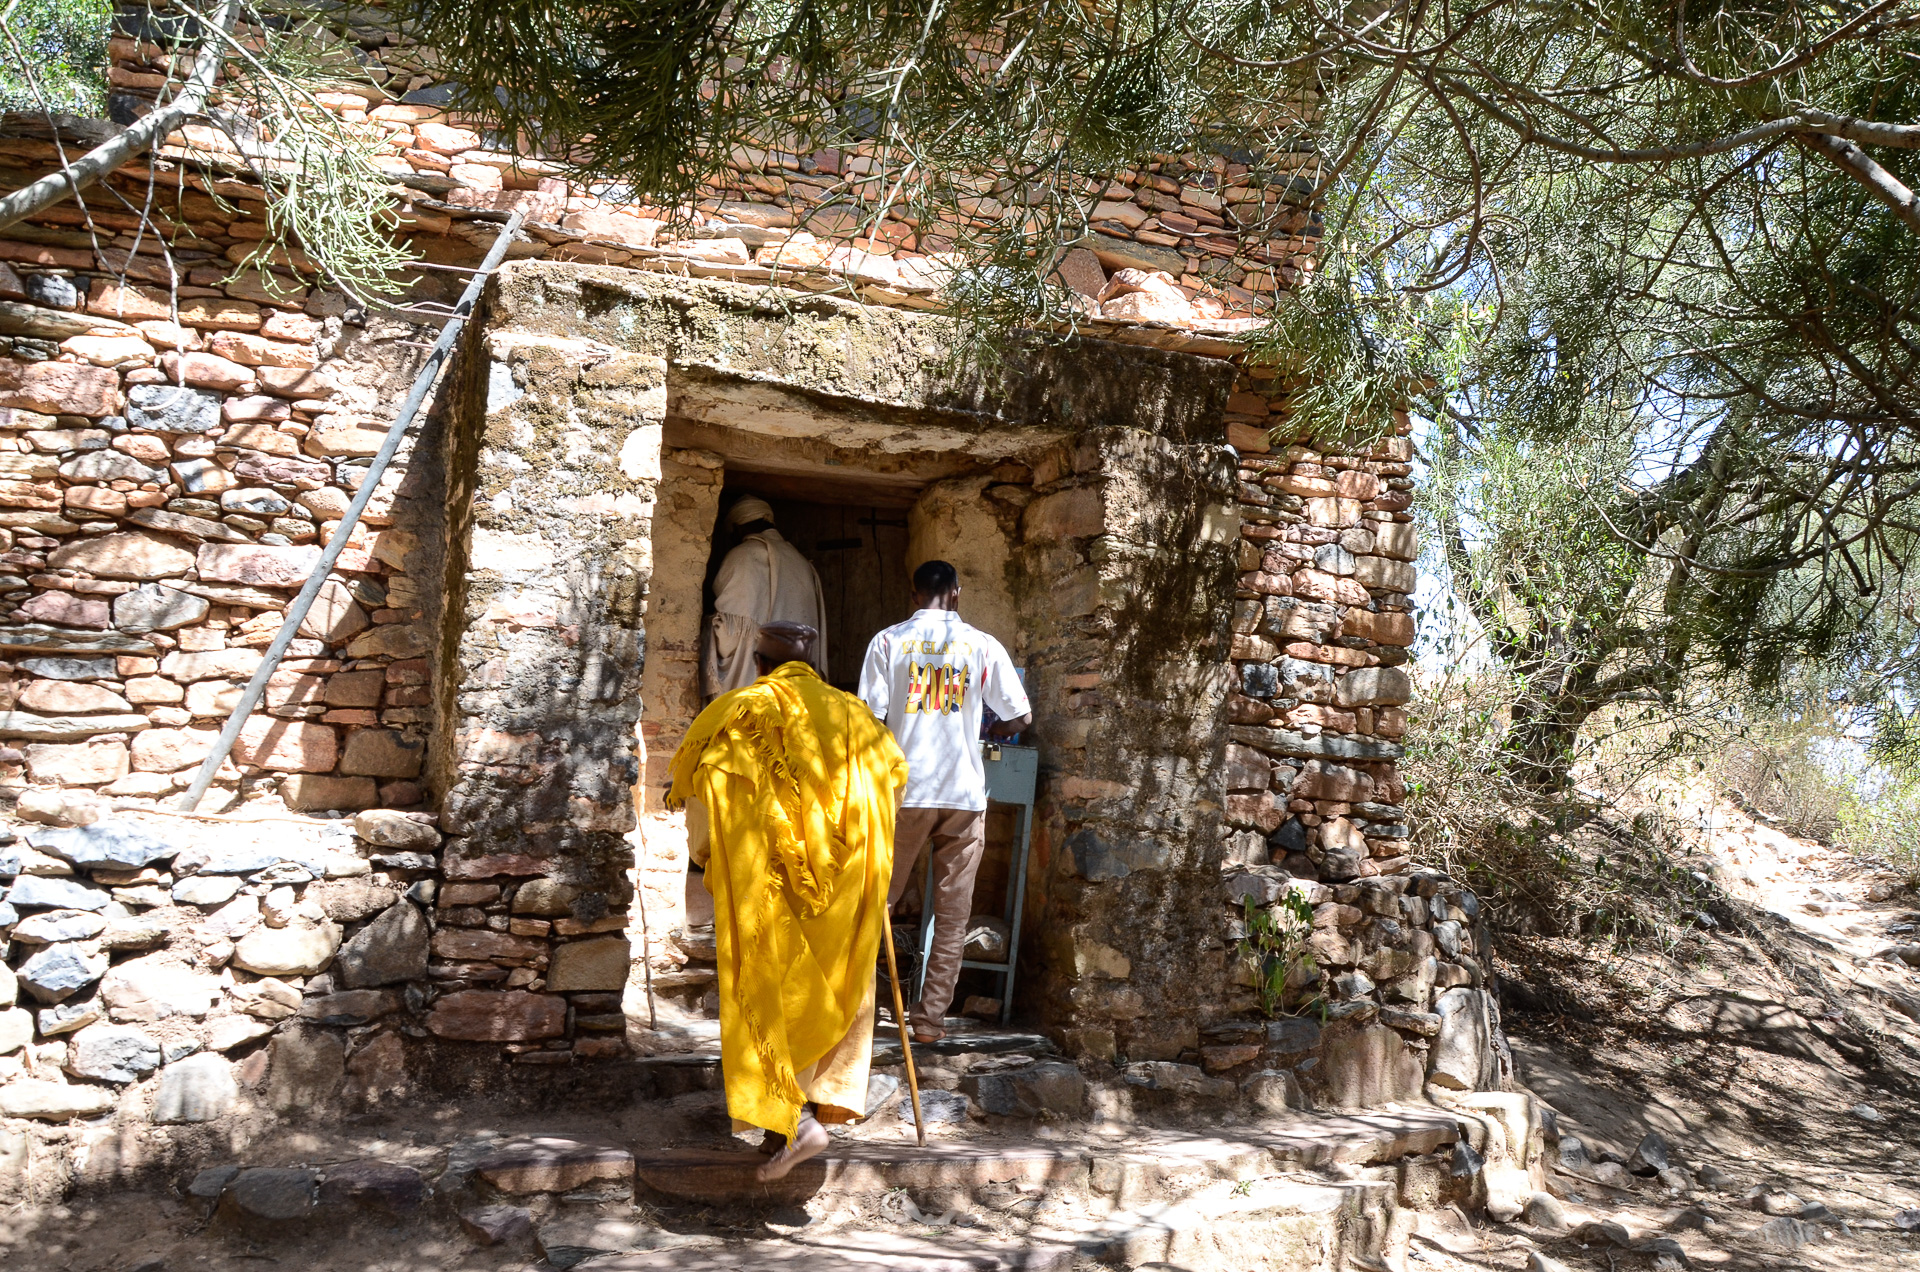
959,840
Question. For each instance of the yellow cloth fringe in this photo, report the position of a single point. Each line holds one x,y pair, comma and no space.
799,783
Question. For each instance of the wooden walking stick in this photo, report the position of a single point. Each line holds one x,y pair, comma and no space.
906,1039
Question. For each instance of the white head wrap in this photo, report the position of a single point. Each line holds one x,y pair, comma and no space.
748,510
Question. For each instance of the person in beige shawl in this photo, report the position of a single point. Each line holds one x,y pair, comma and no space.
764,579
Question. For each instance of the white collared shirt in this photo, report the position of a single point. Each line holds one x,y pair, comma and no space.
928,678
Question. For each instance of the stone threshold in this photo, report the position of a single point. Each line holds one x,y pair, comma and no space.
1129,1163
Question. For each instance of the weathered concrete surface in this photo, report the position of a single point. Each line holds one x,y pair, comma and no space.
874,368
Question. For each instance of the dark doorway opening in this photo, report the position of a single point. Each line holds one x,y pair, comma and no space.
859,551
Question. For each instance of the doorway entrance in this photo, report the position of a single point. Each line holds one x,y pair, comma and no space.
860,552
863,532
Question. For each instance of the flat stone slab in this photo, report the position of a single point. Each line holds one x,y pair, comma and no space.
983,1042
1130,1164
1273,1223
719,1175
1364,1139
549,1163
847,1253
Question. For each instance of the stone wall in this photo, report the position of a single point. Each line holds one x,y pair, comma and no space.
1214,626
1322,618
168,486
1102,474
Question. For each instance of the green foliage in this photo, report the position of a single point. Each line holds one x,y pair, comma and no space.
54,56
1619,228
329,199
1275,951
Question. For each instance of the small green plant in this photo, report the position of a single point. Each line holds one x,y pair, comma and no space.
1275,948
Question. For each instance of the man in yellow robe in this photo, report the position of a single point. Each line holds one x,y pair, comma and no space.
790,788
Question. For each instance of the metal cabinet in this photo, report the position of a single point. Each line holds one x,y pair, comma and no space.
1013,772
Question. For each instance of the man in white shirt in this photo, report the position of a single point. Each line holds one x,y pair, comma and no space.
928,678
764,579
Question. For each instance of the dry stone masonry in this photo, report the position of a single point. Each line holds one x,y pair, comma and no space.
460,758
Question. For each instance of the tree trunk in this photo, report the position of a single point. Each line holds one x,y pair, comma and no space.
1542,739
148,132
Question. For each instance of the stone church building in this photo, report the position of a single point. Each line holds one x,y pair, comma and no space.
439,860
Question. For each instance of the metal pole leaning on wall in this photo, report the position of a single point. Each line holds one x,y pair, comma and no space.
297,612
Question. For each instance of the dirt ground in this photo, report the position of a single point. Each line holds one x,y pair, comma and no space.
1780,1047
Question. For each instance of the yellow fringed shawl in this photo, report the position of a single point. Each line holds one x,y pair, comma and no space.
799,783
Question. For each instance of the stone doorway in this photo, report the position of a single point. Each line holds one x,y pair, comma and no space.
1081,490
864,528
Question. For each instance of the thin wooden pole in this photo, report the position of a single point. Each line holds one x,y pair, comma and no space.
906,1039
640,899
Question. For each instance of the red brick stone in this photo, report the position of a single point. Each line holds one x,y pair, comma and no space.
254,410
220,313
1321,780
443,139
170,750
381,753
78,763
478,1015
258,468
69,388
1267,583
122,556
132,304
1326,717
256,565
297,382
1337,655
68,697
1316,585
1244,710
68,610
1354,484
1392,627
354,688
311,792
1257,811
289,746
475,944
401,794
208,370
97,499
258,351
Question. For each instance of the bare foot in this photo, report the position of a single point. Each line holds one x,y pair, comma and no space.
807,1142
926,1036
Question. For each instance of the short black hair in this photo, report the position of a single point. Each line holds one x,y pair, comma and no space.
935,578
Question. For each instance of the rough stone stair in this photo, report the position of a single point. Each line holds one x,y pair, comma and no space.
1302,1191
1312,1191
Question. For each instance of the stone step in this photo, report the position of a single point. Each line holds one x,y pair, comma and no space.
720,1175
1225,1226
847,1252
1128,1166
1266,1223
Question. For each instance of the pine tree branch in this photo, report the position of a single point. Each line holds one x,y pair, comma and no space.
136,140
1855,162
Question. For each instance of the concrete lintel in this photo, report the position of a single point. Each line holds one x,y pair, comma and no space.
885,361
